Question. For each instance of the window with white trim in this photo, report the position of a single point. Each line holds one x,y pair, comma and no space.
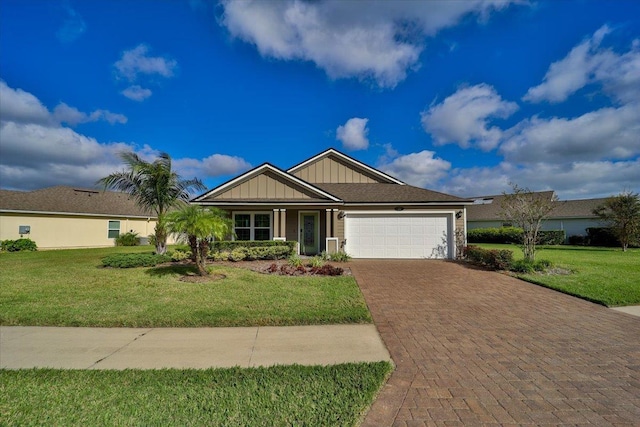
114,229
252,225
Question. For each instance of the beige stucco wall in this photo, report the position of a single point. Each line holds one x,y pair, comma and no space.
69,231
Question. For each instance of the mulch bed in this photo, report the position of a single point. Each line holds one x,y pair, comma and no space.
264,266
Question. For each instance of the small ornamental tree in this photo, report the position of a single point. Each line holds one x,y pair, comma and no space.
622,215
527,210
155,187
198,225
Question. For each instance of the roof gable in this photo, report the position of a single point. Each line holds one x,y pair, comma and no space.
334,167
266,183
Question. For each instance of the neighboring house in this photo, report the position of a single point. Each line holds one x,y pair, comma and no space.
332,202
572,216
66,217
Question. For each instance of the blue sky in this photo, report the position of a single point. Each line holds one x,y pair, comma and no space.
462,97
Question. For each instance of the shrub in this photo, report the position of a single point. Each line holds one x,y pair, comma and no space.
340,257
128,239
178,255
324,255
294,261
18,245
316,262
552,237
228,245
525,266
220,256
601,236
327,270
491,258
238,254
577,240
506,235
268,252
134,260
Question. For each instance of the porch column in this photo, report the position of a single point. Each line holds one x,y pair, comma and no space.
276,223
328,218
283,223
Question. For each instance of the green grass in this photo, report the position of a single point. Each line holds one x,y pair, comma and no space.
604,275
70,288
283,395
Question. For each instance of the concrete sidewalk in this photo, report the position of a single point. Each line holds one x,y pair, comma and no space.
199,348
629,309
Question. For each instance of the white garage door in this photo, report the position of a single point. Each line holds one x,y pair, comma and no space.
398,236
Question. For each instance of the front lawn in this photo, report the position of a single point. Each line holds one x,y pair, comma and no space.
604,275
282,395
70,288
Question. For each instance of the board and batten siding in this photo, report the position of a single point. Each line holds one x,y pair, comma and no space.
264,186
331,171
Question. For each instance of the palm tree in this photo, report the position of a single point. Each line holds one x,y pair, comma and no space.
199,224
154,187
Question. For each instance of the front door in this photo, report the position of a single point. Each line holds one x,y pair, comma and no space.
309,233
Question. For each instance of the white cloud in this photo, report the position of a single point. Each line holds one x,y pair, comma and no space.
353,134
463,118
136,93
421,169
378,40
214,165
72,116
19,106
73,26
22,107
589,63
608,133
38,151
136,61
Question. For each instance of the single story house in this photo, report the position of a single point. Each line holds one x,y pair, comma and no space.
572,216
332,202
66,217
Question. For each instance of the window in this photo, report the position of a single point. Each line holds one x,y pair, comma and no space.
114,229
252,225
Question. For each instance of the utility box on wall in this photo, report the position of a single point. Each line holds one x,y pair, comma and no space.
24,229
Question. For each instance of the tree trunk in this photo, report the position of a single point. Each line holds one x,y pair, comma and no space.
203,248
161,237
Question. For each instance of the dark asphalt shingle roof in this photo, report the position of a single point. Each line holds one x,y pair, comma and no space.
563,209
71,200
387,193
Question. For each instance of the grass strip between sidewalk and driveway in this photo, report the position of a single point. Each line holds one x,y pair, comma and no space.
606,276
282,395
71,288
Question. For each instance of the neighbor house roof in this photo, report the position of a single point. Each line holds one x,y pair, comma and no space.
69,200
387,193
489,208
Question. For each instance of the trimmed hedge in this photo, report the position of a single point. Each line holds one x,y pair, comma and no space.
506,235
602,236
552,237
18,245
491,258
242,253
229,245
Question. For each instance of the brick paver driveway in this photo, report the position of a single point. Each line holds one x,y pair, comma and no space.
474,347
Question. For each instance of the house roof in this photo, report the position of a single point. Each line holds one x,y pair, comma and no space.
387,193
390,190
62,199
489,208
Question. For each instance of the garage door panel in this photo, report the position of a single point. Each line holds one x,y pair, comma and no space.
397,236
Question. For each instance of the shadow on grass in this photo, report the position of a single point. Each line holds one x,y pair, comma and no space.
170,270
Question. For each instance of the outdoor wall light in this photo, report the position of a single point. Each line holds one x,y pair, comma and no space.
341,214
458,214
399,208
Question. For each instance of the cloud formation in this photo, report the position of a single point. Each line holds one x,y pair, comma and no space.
353,134
464,117
38,150
590,63
379,41
421,169
136,64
